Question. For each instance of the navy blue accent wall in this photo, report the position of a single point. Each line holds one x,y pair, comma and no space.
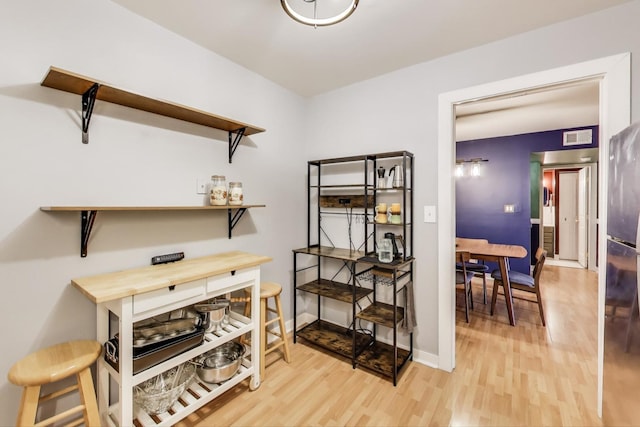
503,180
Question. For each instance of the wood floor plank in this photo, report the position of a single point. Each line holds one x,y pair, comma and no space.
504,376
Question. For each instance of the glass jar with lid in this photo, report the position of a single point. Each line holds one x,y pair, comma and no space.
235,193
218,190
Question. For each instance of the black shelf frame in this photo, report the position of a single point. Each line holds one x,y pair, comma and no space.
389,360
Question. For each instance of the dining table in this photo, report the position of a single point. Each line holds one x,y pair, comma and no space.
482,249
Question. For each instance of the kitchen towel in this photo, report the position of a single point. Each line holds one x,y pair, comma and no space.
409,321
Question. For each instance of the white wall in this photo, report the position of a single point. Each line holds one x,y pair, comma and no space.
133,158
399,111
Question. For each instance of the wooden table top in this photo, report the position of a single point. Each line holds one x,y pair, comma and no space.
482,247
111,286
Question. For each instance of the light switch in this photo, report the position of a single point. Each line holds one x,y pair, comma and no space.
201,185
429,214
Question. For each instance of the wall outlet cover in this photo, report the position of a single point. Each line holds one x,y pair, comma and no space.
201,186
429,214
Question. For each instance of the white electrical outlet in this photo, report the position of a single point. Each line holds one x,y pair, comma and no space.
201,186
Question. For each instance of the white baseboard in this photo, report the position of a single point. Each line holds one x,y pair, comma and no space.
425,358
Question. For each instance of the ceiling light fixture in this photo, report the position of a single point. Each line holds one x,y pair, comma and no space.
315,21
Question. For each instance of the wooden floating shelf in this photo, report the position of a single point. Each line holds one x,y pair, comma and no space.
143,208
92,89
88,215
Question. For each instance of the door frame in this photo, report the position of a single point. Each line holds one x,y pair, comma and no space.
584,200
571,199
592,207
615,115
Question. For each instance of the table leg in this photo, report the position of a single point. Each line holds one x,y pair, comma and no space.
504,272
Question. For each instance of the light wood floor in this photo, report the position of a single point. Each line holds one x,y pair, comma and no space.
505,376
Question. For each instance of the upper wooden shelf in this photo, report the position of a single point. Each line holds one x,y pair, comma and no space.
93,89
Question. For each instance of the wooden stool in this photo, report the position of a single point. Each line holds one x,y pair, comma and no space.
270,290
52,364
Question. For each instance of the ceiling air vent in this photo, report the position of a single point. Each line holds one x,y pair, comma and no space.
577,137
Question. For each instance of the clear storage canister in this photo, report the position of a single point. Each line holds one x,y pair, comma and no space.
235,193
218,191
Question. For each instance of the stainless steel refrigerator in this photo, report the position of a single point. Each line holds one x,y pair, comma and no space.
621,380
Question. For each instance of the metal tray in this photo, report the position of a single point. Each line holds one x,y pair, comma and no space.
159,352
150,335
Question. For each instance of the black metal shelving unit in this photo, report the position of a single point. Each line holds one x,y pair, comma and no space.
349,272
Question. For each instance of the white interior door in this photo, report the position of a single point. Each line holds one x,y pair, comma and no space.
568,216
583,203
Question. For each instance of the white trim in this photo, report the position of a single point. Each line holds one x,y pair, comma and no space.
615,114
425,358
302,319
592,219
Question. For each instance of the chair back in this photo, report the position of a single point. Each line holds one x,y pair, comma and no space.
541,256
462,257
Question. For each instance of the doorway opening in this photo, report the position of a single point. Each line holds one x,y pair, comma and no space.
568,219
615,107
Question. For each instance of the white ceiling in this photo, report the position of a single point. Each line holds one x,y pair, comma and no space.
381,36
573,105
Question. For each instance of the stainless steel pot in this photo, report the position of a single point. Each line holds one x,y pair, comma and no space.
221,363
212,315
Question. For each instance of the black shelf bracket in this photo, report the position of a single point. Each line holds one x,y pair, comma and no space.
86,224
234,141
234,217
88,101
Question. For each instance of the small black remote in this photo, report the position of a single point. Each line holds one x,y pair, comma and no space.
163,259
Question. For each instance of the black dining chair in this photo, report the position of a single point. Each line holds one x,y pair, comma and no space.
463,281
522,282
478,269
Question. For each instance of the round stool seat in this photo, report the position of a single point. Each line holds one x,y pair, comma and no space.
54,363
50,365
267,290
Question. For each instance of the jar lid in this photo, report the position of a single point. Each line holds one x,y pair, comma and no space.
217,176
236,183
